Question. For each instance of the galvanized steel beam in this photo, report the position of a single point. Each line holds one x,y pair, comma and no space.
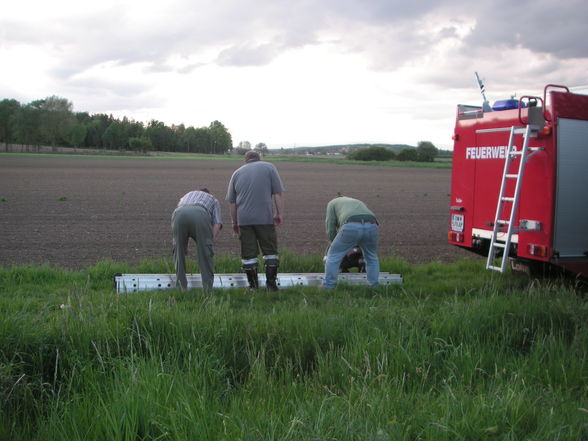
129,283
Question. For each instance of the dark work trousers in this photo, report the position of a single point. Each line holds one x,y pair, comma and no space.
193,221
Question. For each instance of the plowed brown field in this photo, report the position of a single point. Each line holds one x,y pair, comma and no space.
76,211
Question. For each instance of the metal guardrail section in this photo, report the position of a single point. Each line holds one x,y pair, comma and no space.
129,283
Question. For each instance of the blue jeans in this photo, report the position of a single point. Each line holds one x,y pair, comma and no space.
349,235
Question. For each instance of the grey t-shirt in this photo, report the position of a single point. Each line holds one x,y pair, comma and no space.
251,187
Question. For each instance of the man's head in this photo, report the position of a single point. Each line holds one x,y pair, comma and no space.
251,156
205,190
353,259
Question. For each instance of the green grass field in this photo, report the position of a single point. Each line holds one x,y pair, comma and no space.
442,162
454,353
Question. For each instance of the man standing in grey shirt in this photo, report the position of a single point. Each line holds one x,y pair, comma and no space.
253,190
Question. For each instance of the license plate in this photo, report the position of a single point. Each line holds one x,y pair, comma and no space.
457,222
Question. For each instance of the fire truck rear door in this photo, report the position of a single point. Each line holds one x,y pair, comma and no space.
571,207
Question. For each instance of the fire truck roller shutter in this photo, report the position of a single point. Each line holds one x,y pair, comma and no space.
571,205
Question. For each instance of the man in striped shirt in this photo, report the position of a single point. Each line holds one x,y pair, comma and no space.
197,216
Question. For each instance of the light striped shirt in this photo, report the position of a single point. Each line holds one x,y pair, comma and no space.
205,200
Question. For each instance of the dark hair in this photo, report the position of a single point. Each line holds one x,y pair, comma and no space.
205,190
251,155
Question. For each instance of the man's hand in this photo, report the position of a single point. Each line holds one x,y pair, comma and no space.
216,228
234,218
279,201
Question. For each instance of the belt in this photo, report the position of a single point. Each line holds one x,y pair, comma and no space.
362,221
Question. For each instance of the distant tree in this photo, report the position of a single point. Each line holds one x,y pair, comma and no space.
8,111
407,154
426,151
202,139
26,125
373,153
83,117
220,138
178,130
188,140
160,135
261,148
196,140
129,128
142,144
114,137
95,128
55,119
245,145
179,133
76,134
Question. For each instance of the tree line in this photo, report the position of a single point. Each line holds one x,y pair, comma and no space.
51,121
424,152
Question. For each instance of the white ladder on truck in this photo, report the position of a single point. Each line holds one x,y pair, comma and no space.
507,205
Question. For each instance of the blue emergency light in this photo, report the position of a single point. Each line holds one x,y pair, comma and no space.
506,105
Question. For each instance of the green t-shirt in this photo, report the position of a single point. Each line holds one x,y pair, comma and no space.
343,208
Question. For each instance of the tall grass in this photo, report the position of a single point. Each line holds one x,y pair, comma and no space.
454,353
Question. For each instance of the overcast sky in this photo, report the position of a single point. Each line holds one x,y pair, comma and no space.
292,72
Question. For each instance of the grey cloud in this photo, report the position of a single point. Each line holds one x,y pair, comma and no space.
122,89
100,96
94,103
166,67
249,33
256,32
113,36
248,55
556,28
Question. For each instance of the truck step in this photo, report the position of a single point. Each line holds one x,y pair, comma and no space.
495,268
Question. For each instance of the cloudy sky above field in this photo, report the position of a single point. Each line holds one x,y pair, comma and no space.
291,72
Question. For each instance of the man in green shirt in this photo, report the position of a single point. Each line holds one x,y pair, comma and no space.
349,223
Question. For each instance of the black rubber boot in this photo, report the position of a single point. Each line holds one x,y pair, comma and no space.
271,277
251,273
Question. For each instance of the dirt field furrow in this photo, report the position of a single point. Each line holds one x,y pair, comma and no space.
74,212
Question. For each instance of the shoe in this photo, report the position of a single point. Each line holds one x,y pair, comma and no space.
271,278
252,278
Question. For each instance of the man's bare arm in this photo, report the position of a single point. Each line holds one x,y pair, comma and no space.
279,201
233,213
216,229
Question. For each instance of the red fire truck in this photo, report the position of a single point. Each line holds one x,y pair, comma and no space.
519,185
